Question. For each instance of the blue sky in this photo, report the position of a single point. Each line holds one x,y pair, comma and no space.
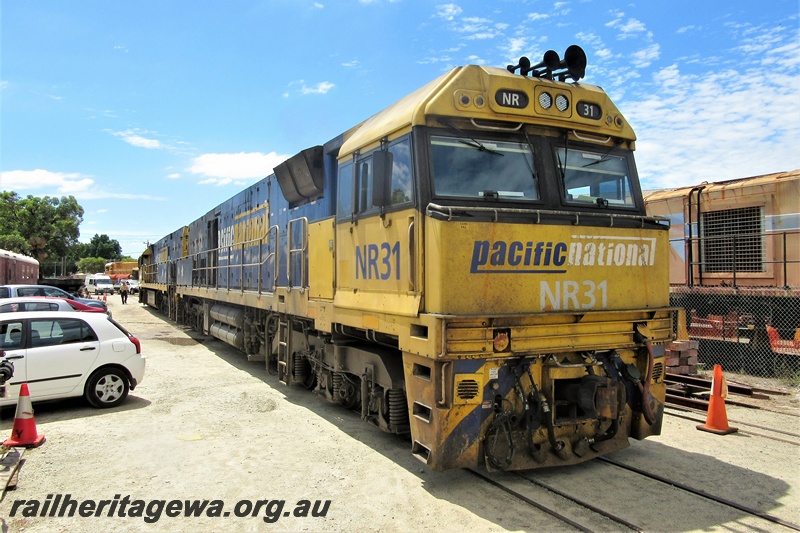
151,113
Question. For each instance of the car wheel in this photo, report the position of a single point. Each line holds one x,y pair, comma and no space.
107,387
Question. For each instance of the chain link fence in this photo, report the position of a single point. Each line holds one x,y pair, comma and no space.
750,331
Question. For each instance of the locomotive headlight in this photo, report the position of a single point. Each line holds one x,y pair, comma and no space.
562,102
545,100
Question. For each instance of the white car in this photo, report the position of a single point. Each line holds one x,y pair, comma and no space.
61,355
133,286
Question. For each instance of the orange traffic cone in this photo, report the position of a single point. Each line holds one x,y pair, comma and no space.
104,297
717,420
24,431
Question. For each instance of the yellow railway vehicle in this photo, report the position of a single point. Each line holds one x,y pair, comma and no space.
472,267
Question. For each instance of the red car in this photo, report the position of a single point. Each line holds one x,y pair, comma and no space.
44,303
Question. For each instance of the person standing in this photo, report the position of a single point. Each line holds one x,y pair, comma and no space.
123,292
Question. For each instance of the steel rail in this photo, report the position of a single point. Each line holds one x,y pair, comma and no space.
703,494
531,502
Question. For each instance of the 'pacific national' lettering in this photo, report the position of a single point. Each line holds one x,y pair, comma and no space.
516,257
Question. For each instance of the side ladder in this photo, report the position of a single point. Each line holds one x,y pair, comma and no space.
284,349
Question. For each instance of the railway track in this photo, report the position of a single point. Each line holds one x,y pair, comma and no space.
550,510
700,420
701,493
587,510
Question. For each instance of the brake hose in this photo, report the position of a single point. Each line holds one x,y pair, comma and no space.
647,410
502,420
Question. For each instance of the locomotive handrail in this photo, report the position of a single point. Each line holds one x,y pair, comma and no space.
294,251
450,211
495,128
738,264
411,270
226,251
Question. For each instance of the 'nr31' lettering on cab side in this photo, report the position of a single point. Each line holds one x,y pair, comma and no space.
378,261
573,295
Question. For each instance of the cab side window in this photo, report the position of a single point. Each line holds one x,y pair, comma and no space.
344,203
400,190
377,180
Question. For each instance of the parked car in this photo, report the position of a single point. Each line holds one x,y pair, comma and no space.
99,284
61,355
12,291
44,303
133,286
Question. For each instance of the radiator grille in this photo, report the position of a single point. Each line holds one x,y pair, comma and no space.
732,240
658,372
467,389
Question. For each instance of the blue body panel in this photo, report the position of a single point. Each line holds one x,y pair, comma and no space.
238,233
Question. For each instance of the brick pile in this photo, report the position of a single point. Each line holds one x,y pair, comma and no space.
682,358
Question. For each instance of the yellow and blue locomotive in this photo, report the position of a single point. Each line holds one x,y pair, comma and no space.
471,267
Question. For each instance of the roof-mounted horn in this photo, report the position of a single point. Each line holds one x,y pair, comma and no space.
552,67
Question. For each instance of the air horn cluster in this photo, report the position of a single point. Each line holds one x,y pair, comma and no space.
554,68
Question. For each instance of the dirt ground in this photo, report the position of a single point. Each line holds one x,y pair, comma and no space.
206,424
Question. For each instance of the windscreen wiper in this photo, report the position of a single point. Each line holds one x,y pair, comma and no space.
605,157
475,143
470,140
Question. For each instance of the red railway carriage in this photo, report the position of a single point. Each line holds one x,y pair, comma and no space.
17,268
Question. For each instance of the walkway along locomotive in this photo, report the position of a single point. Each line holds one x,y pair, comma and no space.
472,266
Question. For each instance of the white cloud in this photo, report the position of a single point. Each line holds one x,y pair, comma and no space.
448,11
631,27
133,138
64,183
350,64
61,183
475,60
432,60
642,58
473,24
173,176
537,16
222,169
515,46
321,88
706,128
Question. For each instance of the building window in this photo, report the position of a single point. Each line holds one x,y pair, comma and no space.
733,240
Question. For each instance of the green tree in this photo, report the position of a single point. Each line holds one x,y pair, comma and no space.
92,265
41,227
103,246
